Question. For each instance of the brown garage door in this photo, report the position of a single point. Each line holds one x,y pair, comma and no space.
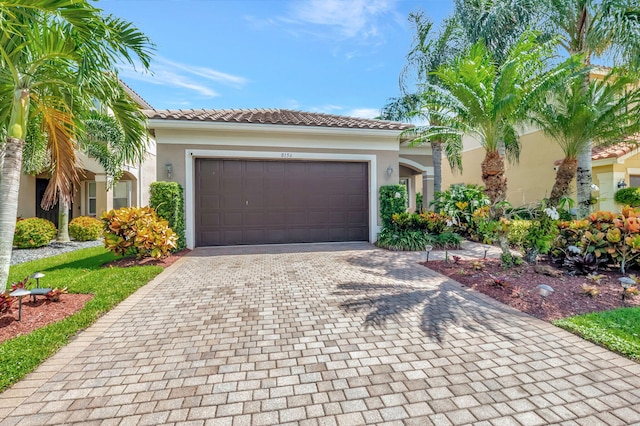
273,202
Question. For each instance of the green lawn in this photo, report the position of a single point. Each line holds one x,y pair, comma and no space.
617,330
81,272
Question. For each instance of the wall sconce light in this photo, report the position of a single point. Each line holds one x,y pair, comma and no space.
389,171
622,184
169,168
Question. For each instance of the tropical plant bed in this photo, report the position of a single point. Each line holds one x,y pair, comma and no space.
39,314
518,287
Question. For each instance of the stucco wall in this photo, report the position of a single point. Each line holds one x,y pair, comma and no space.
174,144
527,181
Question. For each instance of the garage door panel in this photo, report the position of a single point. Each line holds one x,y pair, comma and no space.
288,201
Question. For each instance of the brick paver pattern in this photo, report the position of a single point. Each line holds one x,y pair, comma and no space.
338,334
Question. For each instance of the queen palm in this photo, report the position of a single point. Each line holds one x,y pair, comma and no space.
603,28
52,51
476,96
606,112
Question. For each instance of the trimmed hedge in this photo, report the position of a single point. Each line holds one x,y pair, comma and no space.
393,200
167,200
85,228
33,232
628,197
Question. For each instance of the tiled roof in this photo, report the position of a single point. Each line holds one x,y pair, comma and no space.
613,151
137,98
274,116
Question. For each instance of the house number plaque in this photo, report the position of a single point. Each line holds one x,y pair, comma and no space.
286,155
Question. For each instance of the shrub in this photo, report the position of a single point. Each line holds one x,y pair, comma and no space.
628,197
85,228
33,232
609,237
468,209
5,302
448,240
137,231
393,200
518,232
168,201
404,240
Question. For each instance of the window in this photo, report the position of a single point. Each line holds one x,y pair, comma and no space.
634,181
121,194
405,182
91,191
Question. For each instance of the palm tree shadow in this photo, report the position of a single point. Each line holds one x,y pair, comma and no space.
442,307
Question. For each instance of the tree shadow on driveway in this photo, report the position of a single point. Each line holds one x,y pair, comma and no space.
443,311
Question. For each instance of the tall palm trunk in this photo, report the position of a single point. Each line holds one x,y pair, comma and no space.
436,155
63,220
583,181
566,171
9,189
495,182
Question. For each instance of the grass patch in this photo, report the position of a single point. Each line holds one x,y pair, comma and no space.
617,330
81,272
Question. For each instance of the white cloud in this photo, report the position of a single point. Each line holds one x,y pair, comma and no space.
174,74
350,18
364,112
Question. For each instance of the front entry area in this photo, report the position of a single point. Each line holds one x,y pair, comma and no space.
274,202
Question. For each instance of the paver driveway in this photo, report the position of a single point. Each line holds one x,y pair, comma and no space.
321,334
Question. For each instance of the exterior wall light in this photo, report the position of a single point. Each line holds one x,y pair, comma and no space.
389,171
169,168
622,184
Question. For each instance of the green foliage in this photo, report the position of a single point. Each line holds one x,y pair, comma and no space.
393,199
459,202
33,232
448,240
415,239
628,197
610,237
517,233
419,202
617,330
168,201
430,222
137,231
404,240
80,271
85,228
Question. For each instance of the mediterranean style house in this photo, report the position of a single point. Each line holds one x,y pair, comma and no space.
531,180
257,176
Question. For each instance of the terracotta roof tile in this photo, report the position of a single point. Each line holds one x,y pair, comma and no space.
274,116
613,151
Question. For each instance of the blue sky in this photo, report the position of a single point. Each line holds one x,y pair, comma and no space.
332,56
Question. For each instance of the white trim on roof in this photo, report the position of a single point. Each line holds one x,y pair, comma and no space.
160,123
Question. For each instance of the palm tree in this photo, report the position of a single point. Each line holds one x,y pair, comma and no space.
49,51
426,55
606,113
603,28
478,97
499,24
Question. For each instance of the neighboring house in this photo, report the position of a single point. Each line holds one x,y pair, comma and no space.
91,197
532,178
264,176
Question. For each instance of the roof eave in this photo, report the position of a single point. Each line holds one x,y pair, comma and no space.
161,123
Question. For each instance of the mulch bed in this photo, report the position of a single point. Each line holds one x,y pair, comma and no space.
43,312
518,287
